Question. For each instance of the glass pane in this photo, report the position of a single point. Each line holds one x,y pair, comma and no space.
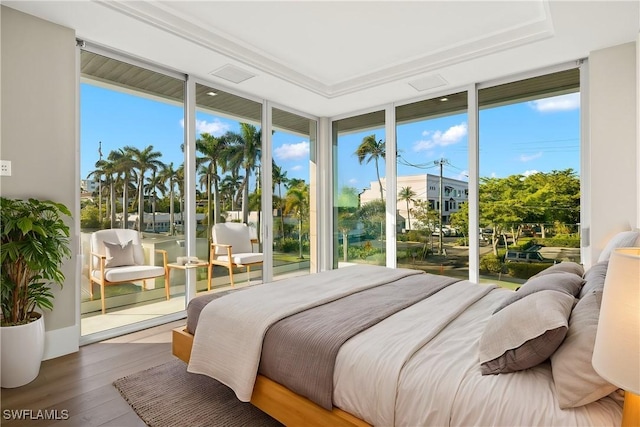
228,152
529,176
131,137
294,139
432,185
359,190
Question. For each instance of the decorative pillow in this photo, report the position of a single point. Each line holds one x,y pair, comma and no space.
577,383
594,278
118,255
567,283
565,266
525,333
624,239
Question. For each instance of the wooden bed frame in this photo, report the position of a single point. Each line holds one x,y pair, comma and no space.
276,400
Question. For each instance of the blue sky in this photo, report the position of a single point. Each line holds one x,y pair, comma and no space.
521,138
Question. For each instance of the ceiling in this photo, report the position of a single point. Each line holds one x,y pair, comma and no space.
329,58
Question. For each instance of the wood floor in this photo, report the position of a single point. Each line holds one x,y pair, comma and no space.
79,386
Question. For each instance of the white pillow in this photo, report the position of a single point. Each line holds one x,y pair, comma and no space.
624,239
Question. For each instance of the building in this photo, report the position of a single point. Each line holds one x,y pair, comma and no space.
427,188
327,75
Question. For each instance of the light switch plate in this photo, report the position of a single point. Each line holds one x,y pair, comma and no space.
5,167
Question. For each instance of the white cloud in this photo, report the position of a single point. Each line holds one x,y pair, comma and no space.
528,158
215,128
451,136
557,103
494,175
292,151
530,172
296,168
353,181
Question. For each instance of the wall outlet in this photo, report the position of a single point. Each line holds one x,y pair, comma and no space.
5,167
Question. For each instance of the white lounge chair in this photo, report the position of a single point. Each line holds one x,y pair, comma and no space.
231,247
117,257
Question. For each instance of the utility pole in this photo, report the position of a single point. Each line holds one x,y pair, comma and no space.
100,184
440,162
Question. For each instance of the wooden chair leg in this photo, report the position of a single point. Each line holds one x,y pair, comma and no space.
144,285
231,275
248,275
209,275
90,288
104,308
166,286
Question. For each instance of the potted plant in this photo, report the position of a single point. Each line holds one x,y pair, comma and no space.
35,242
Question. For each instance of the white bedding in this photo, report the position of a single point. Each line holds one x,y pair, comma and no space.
228,340
382,378
418,367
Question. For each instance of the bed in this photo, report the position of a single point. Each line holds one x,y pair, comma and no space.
368,345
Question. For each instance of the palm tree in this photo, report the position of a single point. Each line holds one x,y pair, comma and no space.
407,194
170,175
229,187
155,183
279,177
244,151
122,167
212,150
297,203
143,160
370,149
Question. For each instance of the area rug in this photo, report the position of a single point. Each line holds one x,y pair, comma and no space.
169,396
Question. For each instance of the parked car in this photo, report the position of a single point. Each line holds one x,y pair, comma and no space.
525,256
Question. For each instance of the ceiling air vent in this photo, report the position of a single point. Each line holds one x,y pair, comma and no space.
429,82
232,73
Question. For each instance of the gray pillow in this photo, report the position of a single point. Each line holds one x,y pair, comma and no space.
565,266
567,283
576,382
118,254
525,333
594,278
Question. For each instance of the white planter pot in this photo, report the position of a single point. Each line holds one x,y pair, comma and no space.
22,351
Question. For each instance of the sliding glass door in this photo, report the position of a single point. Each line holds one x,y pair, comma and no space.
529,184
294,190
132,132
359,218
433,185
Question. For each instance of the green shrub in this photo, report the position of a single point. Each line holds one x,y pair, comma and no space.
89,217
524,270
561,241
490,264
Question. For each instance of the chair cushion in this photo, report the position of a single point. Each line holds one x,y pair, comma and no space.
130,273
242,259
118,254
232,233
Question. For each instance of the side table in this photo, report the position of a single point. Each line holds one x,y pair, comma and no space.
186,266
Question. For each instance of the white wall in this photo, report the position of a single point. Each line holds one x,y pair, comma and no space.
38,135
614,143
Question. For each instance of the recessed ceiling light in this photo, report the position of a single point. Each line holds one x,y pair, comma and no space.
444,99
211,93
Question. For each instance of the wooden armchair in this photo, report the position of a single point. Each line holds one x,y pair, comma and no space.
117,257
231,247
